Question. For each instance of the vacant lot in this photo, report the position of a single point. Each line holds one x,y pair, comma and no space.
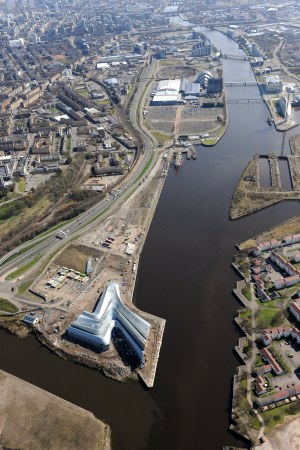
75,256
35,419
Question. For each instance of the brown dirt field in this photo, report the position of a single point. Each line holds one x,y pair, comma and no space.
177,71
31,418
75,256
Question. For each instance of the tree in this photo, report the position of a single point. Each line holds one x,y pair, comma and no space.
277,319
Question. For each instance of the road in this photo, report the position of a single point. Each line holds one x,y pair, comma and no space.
47,244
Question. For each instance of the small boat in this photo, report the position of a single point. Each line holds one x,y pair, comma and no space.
178,160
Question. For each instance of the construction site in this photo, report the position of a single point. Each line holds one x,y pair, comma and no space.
194,112
79,273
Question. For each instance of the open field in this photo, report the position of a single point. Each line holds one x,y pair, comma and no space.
6,306
282,429
35,419
75,257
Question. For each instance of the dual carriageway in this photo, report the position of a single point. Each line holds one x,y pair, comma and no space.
47,244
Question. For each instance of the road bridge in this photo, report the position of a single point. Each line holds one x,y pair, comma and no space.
245,100
241,83
241,57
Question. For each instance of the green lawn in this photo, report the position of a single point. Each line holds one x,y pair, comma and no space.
69,144
24,268
214,139
209,142
160,137
245,314
6,306
84,93
244,384
28,247
276,416
246,290
258,361
277,303
24,286
22,184
3,211
265,316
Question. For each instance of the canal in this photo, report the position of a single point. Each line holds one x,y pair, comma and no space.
185,277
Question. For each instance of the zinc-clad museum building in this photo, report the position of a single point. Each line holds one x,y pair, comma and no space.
96,328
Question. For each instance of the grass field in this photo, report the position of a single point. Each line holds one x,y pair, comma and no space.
265,316
69,145
6,306
22,184
276,416
24,286
160,137
211,141
7,224
23,268
84,93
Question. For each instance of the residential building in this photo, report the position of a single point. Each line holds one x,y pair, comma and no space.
295,308
202,48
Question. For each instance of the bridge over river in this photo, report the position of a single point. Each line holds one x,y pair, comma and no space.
242,57
241,83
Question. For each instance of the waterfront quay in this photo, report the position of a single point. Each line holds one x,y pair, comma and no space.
176,273
267,180
74,279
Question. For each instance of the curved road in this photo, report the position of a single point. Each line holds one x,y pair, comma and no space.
49,243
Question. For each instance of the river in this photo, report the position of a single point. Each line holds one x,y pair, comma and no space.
185,277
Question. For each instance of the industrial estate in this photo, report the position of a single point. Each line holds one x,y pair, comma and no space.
98,102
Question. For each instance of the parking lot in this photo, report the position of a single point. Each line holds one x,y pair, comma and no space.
288,347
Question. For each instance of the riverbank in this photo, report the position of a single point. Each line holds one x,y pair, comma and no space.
61,307
251,195
279,123
289,227
33,418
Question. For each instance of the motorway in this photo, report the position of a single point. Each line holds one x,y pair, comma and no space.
48,244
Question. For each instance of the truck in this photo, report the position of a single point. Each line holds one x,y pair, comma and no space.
62,234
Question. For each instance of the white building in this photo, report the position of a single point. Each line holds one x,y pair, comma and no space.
167,92
30,320
96,328
272,84
16,43
295,308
